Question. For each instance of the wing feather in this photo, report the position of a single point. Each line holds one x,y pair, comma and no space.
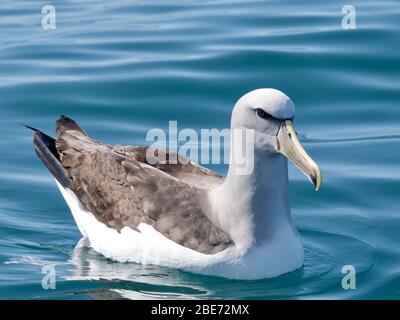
122,190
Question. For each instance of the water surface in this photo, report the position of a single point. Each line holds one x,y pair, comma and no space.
121,68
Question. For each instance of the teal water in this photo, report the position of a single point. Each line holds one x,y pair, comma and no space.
123,67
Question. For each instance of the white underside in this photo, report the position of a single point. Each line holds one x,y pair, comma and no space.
148,246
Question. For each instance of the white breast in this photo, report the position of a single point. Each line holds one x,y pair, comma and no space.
148,246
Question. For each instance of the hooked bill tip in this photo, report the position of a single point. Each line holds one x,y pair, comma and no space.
315,182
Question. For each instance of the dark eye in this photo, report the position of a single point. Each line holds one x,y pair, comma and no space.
262,114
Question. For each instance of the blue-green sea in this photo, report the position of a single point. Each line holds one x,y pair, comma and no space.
121,68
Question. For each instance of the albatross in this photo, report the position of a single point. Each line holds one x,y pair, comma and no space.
182,215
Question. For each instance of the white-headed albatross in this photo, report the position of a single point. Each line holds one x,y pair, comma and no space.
183,215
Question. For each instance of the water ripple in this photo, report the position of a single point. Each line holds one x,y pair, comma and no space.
123,67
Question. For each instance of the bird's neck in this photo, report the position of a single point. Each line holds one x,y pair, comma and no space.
255,206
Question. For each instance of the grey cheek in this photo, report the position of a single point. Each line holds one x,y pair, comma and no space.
273,128
266,142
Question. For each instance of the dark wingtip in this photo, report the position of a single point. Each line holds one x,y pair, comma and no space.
29,127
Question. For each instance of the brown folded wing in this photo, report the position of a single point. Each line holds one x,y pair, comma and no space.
120,188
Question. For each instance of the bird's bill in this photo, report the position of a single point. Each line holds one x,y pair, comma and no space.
288,144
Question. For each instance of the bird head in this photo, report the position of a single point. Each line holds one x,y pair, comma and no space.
270,114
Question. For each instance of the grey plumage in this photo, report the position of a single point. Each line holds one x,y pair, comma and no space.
121,188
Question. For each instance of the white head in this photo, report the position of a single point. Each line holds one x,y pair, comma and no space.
270,113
